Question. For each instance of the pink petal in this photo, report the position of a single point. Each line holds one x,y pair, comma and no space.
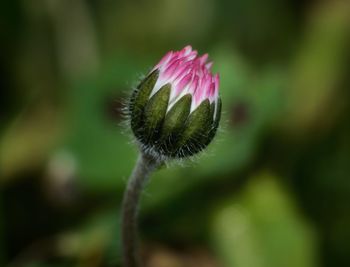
194,84
182,83
187,50
202,89
182,70
174,57
192,55
168,72
211,93
209,65
203,59
164,60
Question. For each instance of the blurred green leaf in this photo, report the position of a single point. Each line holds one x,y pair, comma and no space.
96,140
94,241
262,227
319,69
28,141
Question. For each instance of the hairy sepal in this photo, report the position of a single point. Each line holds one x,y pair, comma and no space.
139,101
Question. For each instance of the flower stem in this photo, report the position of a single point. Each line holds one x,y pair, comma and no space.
139,177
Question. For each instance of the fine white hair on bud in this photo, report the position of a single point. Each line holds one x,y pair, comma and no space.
175,111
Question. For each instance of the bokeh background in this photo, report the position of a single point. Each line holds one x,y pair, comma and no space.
273,189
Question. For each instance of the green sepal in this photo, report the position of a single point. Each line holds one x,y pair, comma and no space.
154,114
177,116
197,126
139,100
218,112
216,120
174,123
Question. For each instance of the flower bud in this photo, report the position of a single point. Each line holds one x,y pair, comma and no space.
175,111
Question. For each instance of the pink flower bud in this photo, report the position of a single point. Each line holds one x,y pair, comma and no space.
176,109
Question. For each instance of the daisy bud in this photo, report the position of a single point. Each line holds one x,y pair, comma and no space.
175,111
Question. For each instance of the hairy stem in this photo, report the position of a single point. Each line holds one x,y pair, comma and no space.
143,168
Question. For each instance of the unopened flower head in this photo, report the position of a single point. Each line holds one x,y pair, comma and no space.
175,111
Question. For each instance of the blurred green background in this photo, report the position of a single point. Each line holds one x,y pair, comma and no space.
273,189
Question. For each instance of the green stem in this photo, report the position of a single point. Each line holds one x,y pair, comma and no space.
139,177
